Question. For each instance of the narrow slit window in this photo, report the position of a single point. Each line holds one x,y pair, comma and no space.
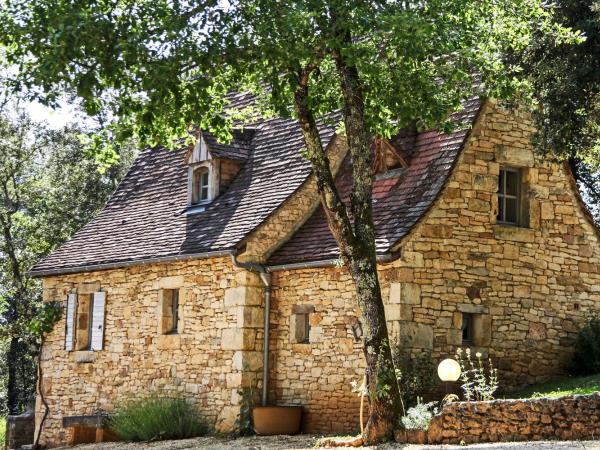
175,310
509,196
169,307
467,328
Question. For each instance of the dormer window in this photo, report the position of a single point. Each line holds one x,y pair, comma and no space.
212,166
200,185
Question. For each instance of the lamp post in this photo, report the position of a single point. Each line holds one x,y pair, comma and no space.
449,371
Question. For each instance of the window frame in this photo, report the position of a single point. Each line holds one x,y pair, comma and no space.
502,196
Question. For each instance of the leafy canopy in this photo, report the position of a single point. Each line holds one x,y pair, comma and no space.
159,65
566,82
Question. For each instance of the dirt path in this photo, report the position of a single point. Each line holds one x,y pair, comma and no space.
307,442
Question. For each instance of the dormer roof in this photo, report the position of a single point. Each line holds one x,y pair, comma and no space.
238,149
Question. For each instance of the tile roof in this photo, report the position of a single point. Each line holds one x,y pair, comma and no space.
398,201
145,218
238,149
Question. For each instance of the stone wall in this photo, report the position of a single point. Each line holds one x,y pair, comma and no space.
286,220
216,352
529,288
569,418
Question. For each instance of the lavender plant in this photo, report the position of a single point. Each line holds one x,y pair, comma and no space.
477,382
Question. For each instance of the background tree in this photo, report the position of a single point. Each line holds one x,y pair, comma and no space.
566,85
161,66
49,188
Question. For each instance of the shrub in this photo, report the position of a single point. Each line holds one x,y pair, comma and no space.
418,417
586,358
416,374
156,418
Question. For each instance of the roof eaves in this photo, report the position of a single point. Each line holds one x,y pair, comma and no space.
122,264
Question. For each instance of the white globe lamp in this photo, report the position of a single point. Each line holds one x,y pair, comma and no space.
449,370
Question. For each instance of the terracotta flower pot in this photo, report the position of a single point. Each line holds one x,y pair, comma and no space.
270,420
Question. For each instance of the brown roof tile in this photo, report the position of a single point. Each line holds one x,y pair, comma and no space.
398,202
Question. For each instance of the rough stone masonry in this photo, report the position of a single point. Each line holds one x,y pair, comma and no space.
528,289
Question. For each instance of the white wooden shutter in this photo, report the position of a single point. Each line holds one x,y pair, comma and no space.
98,321
70,319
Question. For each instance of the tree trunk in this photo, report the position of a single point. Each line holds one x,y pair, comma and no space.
385,403
384,394
356,241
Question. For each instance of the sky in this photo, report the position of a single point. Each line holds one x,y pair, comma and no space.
55,118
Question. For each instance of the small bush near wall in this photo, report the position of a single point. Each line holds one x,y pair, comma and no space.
586,359
417,374
156,418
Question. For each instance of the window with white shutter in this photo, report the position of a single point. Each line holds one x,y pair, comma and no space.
70,322
97,328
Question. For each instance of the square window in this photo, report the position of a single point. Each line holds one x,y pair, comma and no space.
509,196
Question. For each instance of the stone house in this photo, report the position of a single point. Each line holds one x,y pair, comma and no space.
481,243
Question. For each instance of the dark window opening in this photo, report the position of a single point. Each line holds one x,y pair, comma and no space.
509,196
467,328
175,310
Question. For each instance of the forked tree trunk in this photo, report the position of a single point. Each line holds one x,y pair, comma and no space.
356,241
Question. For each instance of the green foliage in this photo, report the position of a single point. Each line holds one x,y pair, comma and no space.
559,388
419,416
566,82
160,66
416,374
249,399
586,358
154,418
49,188
46,317
3,378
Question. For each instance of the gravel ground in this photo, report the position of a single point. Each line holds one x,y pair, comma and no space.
308,442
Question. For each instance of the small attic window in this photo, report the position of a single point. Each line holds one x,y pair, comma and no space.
387,158
200,185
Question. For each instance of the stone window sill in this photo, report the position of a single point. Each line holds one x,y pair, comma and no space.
84,356
513,233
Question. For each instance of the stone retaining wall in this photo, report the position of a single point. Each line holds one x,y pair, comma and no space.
568,418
